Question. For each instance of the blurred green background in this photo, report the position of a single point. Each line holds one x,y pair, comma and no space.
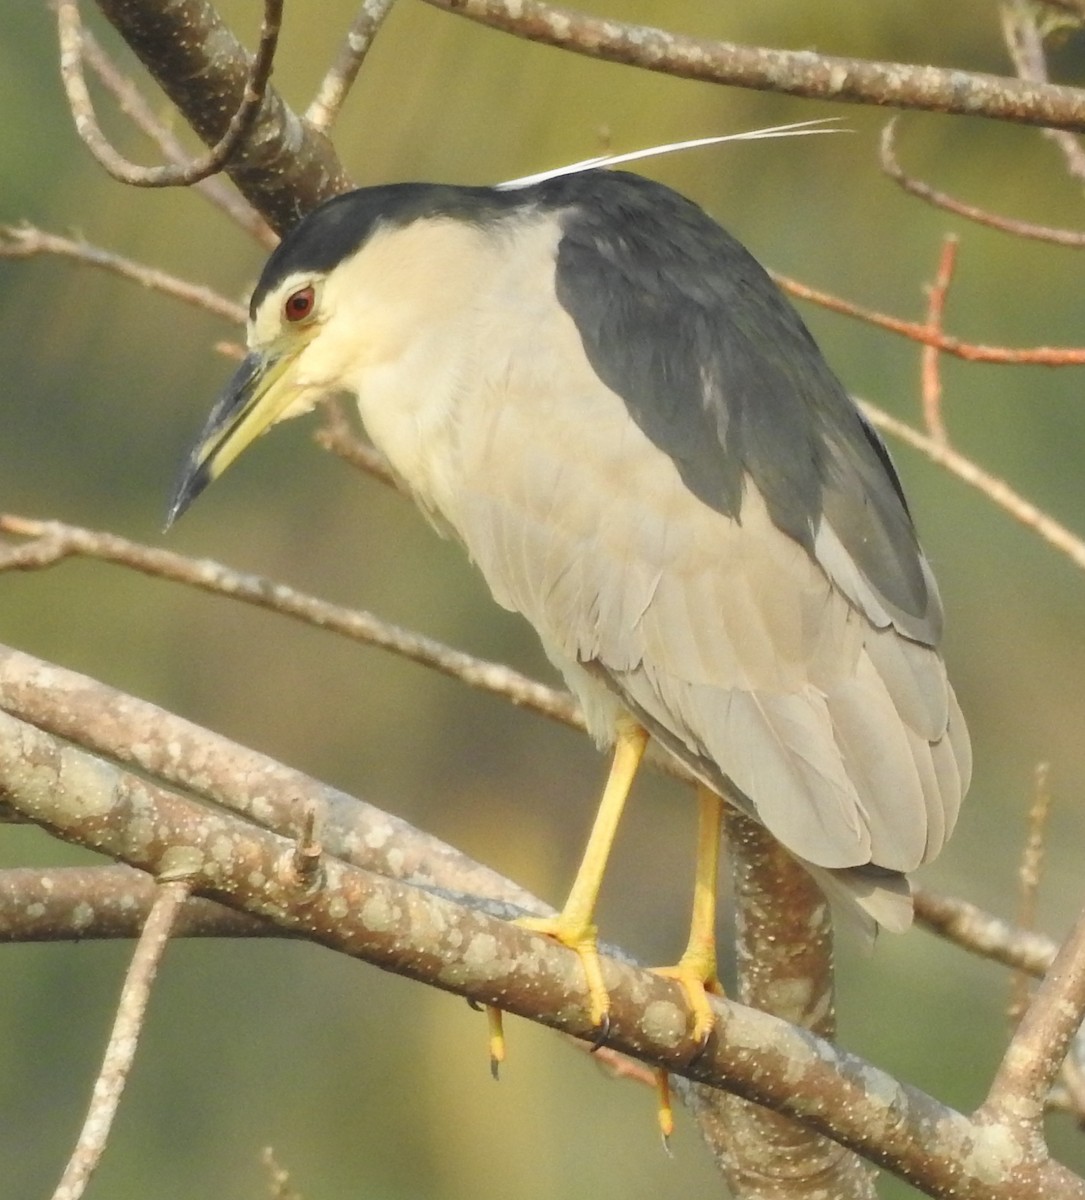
367,1085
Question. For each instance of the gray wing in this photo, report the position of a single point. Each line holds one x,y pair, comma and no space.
764,646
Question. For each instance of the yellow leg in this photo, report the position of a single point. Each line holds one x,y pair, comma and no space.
696,969
573,926
494,1019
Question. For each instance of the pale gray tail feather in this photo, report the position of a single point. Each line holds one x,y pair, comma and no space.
867,898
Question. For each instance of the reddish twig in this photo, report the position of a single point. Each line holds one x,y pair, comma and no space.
70,34
1042,356
931,391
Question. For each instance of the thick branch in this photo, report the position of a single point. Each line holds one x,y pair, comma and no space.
173,174
784,947
284,168
429,938
146,737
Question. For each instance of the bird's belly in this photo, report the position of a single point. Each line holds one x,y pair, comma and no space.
602,708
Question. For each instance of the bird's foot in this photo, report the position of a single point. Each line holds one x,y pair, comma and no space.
580,938
695,974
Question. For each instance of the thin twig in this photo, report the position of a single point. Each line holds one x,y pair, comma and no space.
996,490
1028,880
1036,1051
337,437
1041,356
130,101
278,1177
923,191
53,541
1026,48
124,1039
28,241
983,934
340,78
931,390
70,34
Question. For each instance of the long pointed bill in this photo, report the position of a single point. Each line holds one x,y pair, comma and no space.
255,398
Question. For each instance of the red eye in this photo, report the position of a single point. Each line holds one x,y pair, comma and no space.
299,305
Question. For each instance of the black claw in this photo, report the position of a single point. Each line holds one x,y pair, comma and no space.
495,1070
702,1047
600,1034
474,1005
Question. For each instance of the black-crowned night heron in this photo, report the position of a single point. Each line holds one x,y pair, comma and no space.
604,397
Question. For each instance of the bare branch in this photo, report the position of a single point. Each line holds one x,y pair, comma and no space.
63,904
131,102
1026,47
165,746
340,78
1039,356
931,390
1038,1047
1028,879
55,541
429,938
792,72
984,934
70,32
923,191
170,897
995,489
284,168
278,1177
337,437
784,949
27,241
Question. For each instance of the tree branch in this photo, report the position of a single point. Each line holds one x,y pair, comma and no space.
784,947
130,101
791,72
340,78
54,541
284,168
1039,1044
27,241
170,896
70,33
431,939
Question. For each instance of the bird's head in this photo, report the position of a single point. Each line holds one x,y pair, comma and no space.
340,294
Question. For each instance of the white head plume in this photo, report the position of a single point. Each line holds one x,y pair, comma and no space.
795,129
